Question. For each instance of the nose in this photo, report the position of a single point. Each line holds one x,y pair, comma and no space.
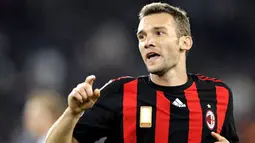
149,42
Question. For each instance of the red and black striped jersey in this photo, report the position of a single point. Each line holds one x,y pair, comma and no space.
136,110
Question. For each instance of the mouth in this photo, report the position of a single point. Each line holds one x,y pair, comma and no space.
151,55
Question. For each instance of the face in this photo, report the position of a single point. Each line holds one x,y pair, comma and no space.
158,43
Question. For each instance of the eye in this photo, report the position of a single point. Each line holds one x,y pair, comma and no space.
159,33
140,37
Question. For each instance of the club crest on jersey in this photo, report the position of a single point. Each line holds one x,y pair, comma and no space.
210,119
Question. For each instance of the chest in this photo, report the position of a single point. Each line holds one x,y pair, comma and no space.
175,116
175,108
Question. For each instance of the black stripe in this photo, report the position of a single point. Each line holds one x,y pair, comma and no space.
120,116
207,95
118,122
117,91
179,119
146,97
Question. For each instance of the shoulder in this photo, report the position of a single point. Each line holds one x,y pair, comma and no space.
116,84
214,82
204,78
111,93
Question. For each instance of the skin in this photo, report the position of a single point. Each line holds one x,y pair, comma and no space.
156,34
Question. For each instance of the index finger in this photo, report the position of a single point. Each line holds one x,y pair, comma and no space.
90,79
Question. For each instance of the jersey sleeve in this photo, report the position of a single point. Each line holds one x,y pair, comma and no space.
229,130
98,121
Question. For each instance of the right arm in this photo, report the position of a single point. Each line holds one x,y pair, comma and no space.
62,129
81,98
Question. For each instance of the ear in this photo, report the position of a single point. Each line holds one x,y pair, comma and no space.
185,43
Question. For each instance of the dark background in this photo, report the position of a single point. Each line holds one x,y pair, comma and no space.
55,44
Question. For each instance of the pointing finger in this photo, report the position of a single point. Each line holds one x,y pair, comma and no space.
88,88
90,79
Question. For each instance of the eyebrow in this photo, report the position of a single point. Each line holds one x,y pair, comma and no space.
154,28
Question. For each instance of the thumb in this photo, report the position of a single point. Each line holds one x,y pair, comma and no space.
97,92
90,79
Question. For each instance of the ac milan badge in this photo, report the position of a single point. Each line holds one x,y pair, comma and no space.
210,119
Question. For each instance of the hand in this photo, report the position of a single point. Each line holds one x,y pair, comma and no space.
219,138
83,97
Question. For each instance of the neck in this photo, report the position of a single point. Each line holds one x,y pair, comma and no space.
173,77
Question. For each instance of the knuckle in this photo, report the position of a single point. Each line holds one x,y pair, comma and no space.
75,91
74,96
72,93
79,85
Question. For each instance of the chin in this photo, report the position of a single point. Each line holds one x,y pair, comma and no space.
160,69
156,71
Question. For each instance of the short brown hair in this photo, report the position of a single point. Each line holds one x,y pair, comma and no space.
179,15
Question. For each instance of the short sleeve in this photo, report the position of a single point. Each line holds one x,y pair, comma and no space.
99,121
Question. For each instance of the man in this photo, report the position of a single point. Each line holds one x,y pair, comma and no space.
168,105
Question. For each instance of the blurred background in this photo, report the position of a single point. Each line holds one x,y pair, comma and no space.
47,47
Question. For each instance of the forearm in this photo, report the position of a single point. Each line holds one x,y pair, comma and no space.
62,129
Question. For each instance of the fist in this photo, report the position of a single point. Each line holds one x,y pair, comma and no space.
83,96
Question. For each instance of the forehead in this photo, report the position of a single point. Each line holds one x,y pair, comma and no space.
156,20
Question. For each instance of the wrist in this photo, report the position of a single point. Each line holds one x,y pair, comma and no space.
72,113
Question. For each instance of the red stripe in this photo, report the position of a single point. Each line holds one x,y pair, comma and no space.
222,95
129,112
162,119
195,114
